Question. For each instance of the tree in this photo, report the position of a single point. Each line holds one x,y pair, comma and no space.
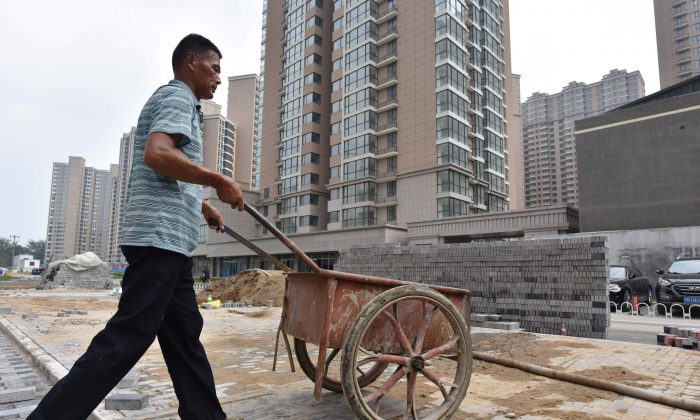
37,249
5,252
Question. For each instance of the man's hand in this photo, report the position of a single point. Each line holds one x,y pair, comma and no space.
211,213
229,192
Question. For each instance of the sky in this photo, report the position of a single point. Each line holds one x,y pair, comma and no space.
76,73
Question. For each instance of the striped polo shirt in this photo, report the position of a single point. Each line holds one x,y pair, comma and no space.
160,211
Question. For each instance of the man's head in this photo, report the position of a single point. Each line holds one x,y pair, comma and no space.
196,62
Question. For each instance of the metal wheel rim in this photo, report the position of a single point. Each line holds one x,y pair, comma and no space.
460,371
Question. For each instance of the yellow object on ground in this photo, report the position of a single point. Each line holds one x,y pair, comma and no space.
215,304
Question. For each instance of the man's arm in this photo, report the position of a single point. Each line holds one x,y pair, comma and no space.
163,156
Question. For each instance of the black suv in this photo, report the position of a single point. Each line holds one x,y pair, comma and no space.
37,271
627,281
680,283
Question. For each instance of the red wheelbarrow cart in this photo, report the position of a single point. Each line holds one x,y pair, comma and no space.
395,349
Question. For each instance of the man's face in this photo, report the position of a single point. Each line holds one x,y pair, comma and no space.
206,75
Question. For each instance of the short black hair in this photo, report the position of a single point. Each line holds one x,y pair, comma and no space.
192,43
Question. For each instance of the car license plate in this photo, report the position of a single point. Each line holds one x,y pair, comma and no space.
694,299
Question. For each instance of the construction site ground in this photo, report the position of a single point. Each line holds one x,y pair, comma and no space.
240,348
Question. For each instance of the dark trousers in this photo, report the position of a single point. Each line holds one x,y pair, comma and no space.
157,301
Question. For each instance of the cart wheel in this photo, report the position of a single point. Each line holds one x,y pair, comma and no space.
331,380
394,317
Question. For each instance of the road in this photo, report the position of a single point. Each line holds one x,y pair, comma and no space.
635,329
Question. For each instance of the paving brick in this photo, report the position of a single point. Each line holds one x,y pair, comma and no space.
126,402
17,394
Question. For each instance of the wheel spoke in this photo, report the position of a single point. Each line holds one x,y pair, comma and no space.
434,379
329,359
423,329
410,394
387,386
390,358
437,350
405,344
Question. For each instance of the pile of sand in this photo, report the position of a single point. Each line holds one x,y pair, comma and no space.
253,287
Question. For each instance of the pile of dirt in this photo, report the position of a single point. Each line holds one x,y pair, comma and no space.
253,287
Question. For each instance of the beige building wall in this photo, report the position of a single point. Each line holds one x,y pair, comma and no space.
242,91
219,137
677,40
515,145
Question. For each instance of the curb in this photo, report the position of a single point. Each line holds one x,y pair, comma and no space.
46,363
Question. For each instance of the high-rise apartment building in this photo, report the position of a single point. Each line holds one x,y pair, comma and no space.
677,39
219,140
242,110
383,112
118,200
79,210
551,176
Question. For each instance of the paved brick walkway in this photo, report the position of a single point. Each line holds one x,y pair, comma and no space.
247,388
18,376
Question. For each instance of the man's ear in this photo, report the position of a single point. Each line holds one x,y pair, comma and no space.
191,60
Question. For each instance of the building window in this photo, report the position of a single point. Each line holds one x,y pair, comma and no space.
312,78
391,214
357,193
337,24
313,40
312,59
359,216
312,117
335,194
360,145
359,169
307,179
308,158
451,181
391,189
335,128
309,200
391,164
335,171
335,149
360,122
337,64
335,106
337,85
312,97
314,21
338,44
450,207
311,138
287,225
333,217
308,221
266,193
314,3
451,153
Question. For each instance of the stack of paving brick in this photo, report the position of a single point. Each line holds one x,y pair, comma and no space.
99,277
687,338
542,284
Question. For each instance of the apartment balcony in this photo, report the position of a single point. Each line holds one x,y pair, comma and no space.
387,81
683,47
387,175
387,105
386,13
387,128
682,36
386,201
387,36
680,23
386,152
388,58
680,11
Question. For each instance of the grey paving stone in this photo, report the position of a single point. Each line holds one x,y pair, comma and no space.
17,394
131,401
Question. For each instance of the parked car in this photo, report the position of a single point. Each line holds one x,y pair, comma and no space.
680,283
2,271
627,281
37,271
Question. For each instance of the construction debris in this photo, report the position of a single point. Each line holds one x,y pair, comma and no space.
252,287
